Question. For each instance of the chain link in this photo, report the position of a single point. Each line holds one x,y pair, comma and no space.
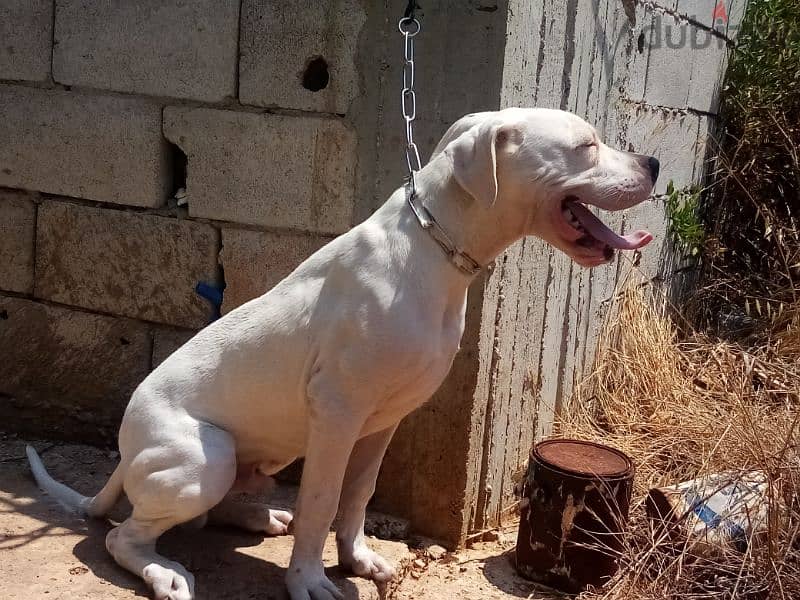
409,27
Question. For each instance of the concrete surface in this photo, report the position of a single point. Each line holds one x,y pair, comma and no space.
703,12
26,30
254,261
671,138
269,170
685,65
482,572
17,230
669,71
100,148
66,372
636,34
166,341
708,66
300,32
48,553
180,49
648,216
128,264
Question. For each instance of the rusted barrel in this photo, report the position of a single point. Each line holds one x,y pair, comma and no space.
575,502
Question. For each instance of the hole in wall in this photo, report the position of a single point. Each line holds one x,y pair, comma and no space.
124,341
3,314
178,162
640,43
316,76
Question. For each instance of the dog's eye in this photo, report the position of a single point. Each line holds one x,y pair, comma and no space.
592,144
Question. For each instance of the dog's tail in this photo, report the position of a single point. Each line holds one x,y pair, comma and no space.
98,506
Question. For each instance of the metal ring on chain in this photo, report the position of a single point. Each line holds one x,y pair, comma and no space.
409,99
409,26
408,74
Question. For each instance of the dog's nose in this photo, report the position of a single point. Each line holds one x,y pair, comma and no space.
654,167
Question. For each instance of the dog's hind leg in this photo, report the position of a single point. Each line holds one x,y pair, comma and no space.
175,482
133,546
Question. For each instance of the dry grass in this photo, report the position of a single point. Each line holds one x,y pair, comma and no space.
686,407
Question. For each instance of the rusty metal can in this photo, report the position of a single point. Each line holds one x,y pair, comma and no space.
576,497
715,513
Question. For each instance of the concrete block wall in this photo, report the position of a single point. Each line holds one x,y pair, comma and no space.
281,122
107,109
176,49
267,170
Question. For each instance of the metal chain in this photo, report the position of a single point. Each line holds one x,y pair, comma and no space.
409,27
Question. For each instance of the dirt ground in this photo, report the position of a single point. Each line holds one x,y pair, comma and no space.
47,553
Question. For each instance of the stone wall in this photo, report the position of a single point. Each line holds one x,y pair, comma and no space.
281,122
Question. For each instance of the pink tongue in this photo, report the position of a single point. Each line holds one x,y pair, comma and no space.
599,231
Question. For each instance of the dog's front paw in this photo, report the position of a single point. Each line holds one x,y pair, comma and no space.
368,563
305,583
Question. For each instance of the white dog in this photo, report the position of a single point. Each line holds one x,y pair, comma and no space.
328,362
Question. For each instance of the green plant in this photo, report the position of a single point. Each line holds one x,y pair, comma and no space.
752,207
685,226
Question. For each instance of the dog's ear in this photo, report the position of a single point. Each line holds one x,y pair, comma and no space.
474,155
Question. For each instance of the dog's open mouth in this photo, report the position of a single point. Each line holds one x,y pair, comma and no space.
593,235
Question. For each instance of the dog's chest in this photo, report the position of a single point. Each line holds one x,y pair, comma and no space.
419,367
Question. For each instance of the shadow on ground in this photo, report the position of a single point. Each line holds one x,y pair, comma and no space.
47,552
500,571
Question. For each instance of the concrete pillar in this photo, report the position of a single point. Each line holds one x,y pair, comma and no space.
535,317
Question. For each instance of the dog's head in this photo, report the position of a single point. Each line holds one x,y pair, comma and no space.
544,166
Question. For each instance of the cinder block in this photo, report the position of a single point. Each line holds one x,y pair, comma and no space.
128,264
591,21
298,54
166,341
67,373
736,14
669,65
25,39
101,148
632,52
724,16
254,261
155,47
709,61
672,138
263,169
706,148
17,225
